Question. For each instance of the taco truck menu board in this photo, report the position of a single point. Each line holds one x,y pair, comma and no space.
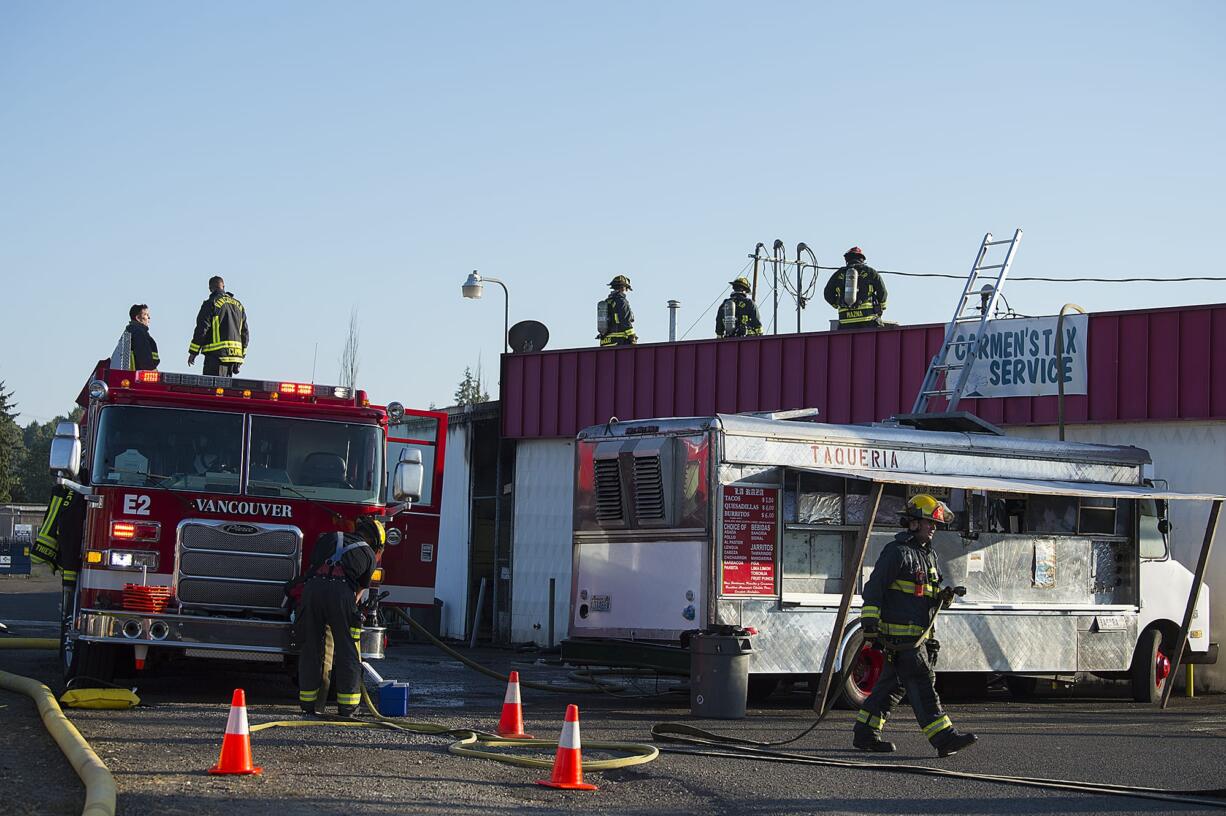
750,528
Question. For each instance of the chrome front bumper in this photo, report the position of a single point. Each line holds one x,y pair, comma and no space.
197,632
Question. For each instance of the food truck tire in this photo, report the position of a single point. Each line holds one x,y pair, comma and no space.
867,663
1150,666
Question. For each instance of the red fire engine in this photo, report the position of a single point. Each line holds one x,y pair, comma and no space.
205,495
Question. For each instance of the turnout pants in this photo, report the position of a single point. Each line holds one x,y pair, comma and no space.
907,671
329,605
213,366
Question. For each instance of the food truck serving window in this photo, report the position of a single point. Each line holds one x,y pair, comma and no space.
170,448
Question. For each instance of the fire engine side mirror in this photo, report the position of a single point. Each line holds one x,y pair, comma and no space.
66,450
408,477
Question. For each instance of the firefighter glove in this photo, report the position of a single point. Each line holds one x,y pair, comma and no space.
948,593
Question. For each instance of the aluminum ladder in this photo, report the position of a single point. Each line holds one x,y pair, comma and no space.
937,380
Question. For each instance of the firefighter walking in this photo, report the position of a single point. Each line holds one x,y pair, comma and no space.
857,291
615,319
341,568
221,332
738,315
901,600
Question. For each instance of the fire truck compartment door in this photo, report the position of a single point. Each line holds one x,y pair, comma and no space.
997,484
650,587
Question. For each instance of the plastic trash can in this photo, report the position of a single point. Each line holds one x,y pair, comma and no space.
719,675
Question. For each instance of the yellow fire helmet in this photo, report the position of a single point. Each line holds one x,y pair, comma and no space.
372,530
741,283
923,506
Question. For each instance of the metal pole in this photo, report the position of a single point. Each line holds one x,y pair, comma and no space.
850,573
1210,532
476,624
673,306
552,590
1060,363
799,271
777,249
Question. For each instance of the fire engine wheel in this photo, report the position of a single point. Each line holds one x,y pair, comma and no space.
1151,667
87,664
867,664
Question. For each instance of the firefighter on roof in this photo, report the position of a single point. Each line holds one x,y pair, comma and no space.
341,568
857,291
221,332
901,599
614,317
738,316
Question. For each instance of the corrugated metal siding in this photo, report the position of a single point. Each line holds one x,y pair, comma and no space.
451,578
1160,364
544,491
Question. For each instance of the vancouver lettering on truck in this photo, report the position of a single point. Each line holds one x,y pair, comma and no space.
204,496
755,523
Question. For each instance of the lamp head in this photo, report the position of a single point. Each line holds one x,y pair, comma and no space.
472,287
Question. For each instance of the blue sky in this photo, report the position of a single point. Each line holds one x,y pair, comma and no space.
326,156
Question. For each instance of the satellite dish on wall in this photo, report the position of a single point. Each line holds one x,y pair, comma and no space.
528,335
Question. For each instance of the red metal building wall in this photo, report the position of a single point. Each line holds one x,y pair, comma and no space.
1159,364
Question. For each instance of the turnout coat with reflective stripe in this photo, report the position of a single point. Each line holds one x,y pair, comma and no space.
221,329
902,591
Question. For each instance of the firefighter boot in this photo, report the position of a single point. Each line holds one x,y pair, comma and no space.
955,742
346,711
868,741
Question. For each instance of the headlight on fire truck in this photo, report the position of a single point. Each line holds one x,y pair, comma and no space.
132,559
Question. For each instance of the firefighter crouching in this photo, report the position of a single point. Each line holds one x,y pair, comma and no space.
341,567
901,600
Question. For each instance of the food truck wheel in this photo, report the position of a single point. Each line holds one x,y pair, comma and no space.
1151,667
866,668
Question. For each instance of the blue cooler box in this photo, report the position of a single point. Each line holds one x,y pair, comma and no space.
393,698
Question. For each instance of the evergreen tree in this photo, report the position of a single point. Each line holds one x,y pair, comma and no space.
11,448
471,390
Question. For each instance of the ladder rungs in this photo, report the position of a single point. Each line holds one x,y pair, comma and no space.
997,243
993,266
945,392
948,366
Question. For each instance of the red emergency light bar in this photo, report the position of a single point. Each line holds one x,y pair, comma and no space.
247,389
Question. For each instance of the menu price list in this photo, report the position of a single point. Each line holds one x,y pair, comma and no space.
749,535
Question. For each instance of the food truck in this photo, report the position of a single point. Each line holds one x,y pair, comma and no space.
751,521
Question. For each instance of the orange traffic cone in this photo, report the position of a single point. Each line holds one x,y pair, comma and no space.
568,763
236,744
511,723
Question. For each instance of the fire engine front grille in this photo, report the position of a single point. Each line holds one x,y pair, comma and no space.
235,566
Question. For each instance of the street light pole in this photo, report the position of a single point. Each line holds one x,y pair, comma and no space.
473,288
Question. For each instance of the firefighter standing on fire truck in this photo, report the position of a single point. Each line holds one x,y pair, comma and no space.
901,599
221,332
863,303
341,568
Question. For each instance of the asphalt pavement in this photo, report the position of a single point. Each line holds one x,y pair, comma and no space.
159,753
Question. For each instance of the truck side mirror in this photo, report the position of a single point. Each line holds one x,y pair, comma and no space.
1164,526
408,477
66,450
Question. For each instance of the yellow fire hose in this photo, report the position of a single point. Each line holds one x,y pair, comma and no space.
99,784
29,643
468,740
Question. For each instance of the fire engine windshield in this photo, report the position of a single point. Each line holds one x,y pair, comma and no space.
333,461
168,447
